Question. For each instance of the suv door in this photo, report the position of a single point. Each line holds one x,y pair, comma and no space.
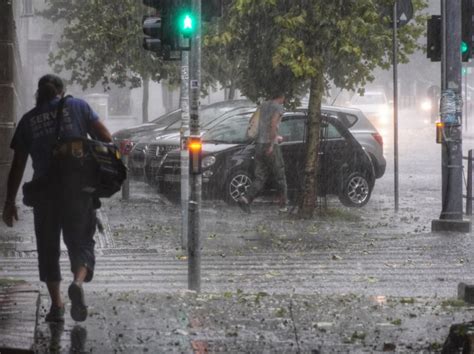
335,150
293,130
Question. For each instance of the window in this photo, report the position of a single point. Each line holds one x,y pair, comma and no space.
351,120
292,129
329,131
28,8
231,131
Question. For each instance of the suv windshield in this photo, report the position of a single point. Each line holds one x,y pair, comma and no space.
231,131
207,115
168,118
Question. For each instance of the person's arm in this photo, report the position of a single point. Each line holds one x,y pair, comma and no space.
100,131
14,179
275,120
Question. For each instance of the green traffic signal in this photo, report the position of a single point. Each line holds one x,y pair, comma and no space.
186,24
464,47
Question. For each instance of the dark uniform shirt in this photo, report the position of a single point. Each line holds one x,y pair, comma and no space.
36,131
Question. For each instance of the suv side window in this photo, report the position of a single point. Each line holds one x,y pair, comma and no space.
329,131
351,119
292,128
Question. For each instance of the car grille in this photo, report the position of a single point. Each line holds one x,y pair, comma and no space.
152,150
171,166
158,151
155,155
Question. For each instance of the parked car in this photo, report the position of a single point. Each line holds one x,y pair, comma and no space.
345,168
159,146
141,144
365,133
375,105
160,123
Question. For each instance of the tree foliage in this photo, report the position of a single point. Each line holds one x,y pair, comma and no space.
101,42
286,44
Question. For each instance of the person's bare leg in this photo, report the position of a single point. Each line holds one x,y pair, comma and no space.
54,289
80,275
56,312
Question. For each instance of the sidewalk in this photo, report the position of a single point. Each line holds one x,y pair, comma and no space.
359,281
184,322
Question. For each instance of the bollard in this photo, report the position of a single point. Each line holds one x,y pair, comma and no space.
469,184
125,148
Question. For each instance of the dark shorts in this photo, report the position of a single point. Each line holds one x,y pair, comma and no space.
75,216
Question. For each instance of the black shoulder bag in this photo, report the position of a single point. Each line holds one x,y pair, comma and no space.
95,164
98,164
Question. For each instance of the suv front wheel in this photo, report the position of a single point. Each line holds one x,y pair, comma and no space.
356,190
236,184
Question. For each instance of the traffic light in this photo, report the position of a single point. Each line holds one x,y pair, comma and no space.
153,27
152,31
186,22
433,50
160,33
466,32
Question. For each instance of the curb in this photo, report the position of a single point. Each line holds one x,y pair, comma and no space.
19,302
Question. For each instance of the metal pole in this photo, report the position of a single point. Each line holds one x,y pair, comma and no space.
126,183
466,113
443,46
395,105
469,184
452,148
184,148
194,243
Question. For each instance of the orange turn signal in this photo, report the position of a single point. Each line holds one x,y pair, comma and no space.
195,146
439,132
195,152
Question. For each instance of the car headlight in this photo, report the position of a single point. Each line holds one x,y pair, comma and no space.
208,161
384,111
426,105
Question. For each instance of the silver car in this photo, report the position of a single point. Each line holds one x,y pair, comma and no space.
364,131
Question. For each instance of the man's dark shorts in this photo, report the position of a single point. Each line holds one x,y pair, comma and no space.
73,213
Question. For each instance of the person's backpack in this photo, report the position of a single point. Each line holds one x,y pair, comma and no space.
252,129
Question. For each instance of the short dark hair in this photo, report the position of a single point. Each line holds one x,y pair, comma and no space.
49,86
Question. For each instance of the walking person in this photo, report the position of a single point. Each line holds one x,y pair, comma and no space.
268,157
67,209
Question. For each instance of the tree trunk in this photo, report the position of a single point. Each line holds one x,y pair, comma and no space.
146,96
309,192
231,90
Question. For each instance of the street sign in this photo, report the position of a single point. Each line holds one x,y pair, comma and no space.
404,12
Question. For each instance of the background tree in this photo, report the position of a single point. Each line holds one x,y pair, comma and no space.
101,43
220,65
286,44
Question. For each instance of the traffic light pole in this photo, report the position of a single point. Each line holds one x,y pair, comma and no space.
395,106
194,243
451,218
184,135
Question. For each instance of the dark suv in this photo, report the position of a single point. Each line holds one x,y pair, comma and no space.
345,169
